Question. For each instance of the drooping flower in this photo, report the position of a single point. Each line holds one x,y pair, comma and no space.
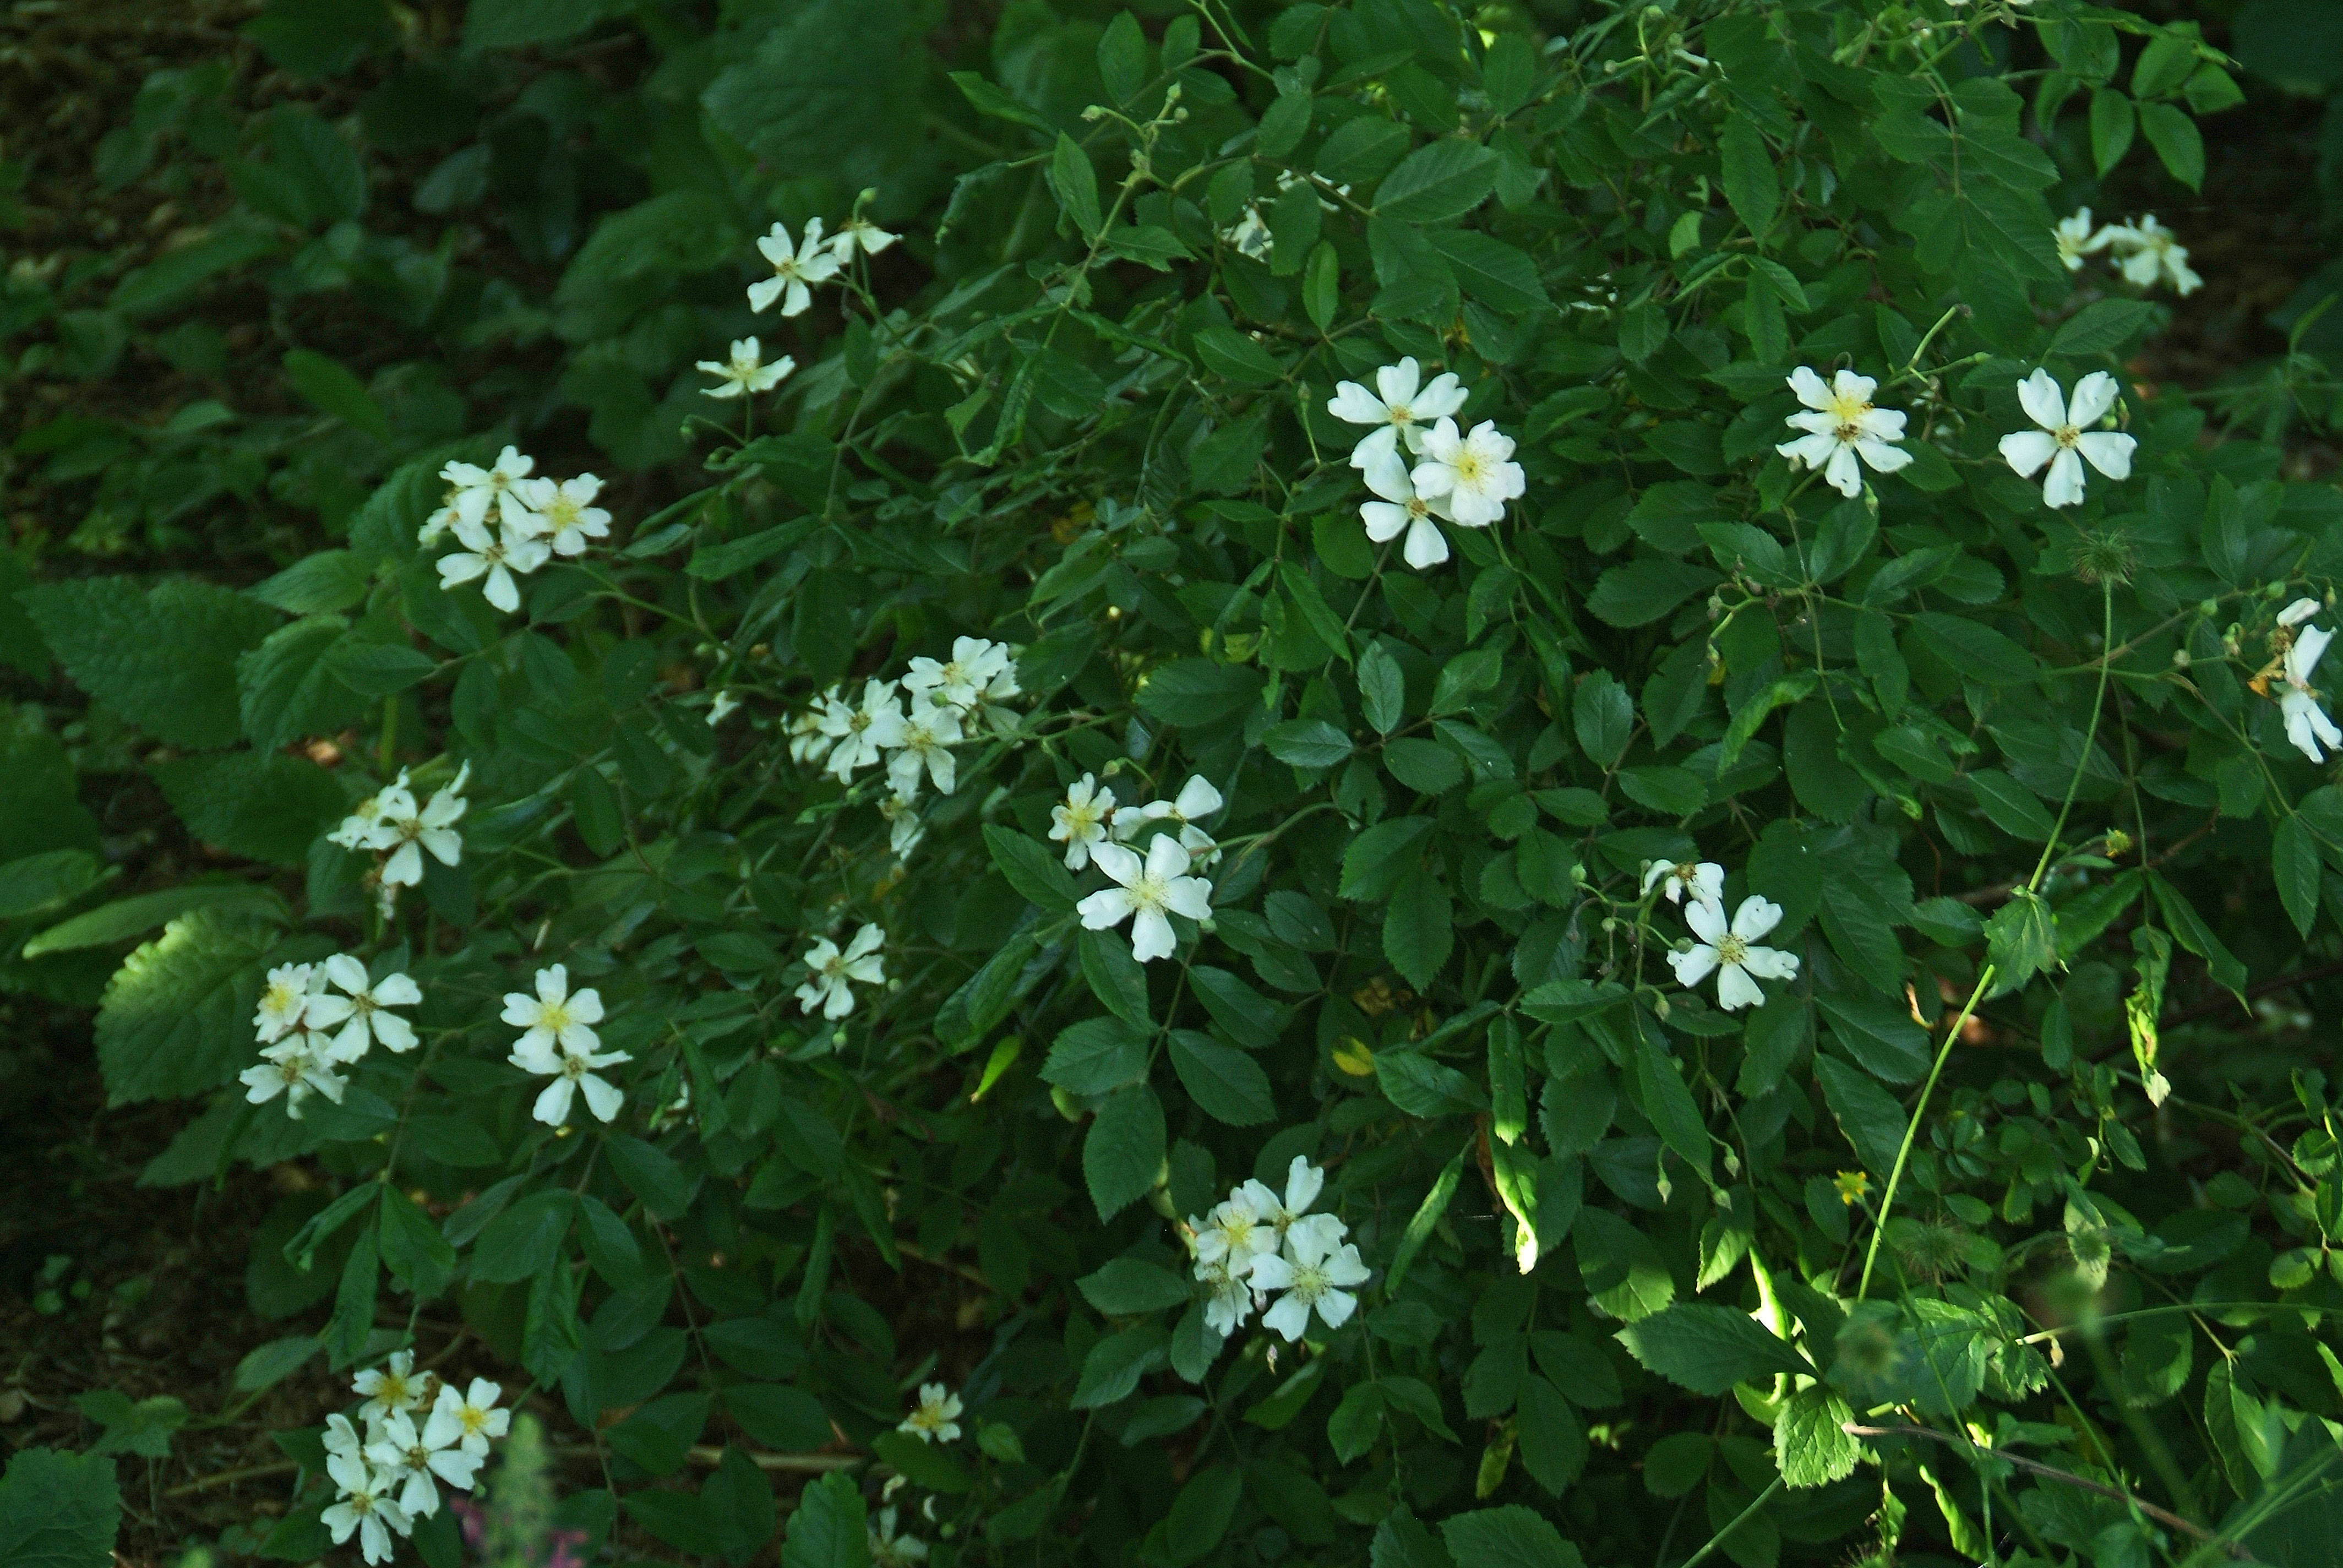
1315,1275
497,557
567,518
1079,821
1230,1303
858,233
2066,439
1250,236
2306,724
1469,476
1232,1236
1147,890
928,734
2077,239
1197,798
722,706
1279,1211
406,831
975,663
830,985
472,489
554,1016
888,1550
1842,426
1400,408
808,742
936,1418
904,828
469,1419
358,827
746,371
282,1001
1402,511
364,1507
861,734
1704,881
795,271
367,1005
1732,952
291,1068
409,1459
573,1072
389,1388
2147,253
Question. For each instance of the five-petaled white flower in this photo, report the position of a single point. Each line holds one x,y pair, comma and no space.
1314,1273
291,1068
389,1388
2147,253
1841,426
2077,239
406,831
282,1001
1732,952
2306,724
1079,821
1280,1212
565,514
1402,511
1704,881
861,734
858,233
1197,798
408,1459
1469,476
830,985
937,1417
495,556
795,271
1233,1236
959,680
469,1419
364,1507
554,1016
746,371
1401,408
2066,439
928,734
472,489
1149,889
364,1008
573,1072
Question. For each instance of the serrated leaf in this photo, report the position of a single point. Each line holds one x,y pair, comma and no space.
1124,1152
1438,183
177,1018
164,660
1709,1349
1031,868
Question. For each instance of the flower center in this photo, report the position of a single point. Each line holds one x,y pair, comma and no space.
1730,950
2067,436
1399,413
290,1070
1310,1281
1847,411
1418,509
279,998
1148,893
562,513
1847,433
392,1390
1467,465
473,1417
573,1068
553,1017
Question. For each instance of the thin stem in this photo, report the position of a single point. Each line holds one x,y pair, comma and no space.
1739,1519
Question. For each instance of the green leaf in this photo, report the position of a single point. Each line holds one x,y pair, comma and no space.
1077,183
1438,183
1643,590
1383,690
263,806
1097,1056
2012,807
524,1241
2112,124
1228,352
1228,1084
990,101
1418,928
1869,1116
2022,939
328,581
1127,1287
650,1175
836,85
827,1528
176,1018
1878,1034
267,1365
164,660
1604,717
412,1247
1709,1349
1553,1436
2294,860
57,1511
1115,978
1380,855
1977,651
1750,182
143,912
1198,692
1361,150
1427,1215
1422,1086
1031,868
1490,271
2103,325
1307,743
1810,1448
518,23
1668,1102
1123,57
331,385
924,1464
1507,1537
2174,136
378,669
36,882
1124,1152
1112,1371
785,1418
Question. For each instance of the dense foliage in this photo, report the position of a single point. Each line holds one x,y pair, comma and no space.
1429,788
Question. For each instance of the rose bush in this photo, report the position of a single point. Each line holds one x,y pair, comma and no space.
1471,767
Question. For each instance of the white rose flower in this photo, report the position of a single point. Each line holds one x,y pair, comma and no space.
830,985
2306,724
292,1069
1149,890
1703,880
1080,820
364,1507
495,556
1402,510
936,1418
962,679
389,1388
406,831
408,1459
1197,798
2066,440
1468,477
1731,950
927,736
746,371
863,735
567,518
469,1419
795,271
1842,426
1315,1274
858,233
2077,239
1232,1236
367,1005
2147,253
472,490
282,1001
1400,406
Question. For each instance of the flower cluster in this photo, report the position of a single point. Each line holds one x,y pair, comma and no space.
2298,653
509,522
2144,251
1729,949
1258,1243
558,1041
306,1030
1096,833
1841,426
387,1479
2065,440
1420,465
393,827
800,267
829,985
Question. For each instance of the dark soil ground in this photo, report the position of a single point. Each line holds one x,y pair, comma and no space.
107,1285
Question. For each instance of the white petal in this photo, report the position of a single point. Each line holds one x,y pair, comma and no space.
1707,921
2063,485
1107,908
2109,452
2310,648
2094,394
1383,520
2026,450
1152,936
1809,387
2039,396
1755,918
1736,989
1426,544
1883,457
1289,1317
1355,404
552,1107
1770,964
1693,967
1843,473
1398,383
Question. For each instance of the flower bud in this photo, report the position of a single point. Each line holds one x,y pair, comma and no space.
2180,658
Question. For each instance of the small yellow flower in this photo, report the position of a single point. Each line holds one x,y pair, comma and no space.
1853,1186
